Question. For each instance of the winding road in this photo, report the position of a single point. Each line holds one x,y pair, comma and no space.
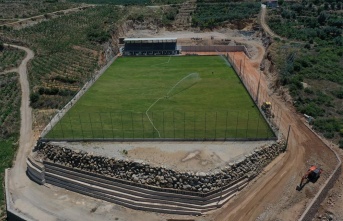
273,196
31,200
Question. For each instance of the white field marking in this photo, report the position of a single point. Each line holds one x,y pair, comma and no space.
157,100
161,63
152,123
179,83
223,57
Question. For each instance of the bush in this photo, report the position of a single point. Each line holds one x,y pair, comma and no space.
312,109
2,47
328,126
340,144
96,35
329,135
339,93
34,97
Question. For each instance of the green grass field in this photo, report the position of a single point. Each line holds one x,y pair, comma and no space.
192,97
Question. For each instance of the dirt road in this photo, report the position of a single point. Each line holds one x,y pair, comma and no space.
264,24
48,202
34,19
26,133
270,197
273,196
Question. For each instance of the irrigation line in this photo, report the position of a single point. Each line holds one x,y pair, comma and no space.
167,96
152,123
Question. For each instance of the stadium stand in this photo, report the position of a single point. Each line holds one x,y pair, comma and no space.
150,46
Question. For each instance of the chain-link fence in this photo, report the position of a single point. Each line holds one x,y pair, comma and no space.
162,125
224,125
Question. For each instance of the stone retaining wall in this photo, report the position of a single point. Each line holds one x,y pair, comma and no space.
141,174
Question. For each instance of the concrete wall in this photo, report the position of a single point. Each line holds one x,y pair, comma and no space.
313,207
132,196
12,214
215,48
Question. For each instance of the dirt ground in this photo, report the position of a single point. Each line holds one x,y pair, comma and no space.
181,156
271,196
332,206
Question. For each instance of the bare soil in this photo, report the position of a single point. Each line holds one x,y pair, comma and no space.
181,156
271,196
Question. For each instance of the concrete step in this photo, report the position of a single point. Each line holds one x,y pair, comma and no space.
149,198
152,196
146,189
90,191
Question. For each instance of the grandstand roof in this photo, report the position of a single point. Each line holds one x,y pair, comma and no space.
151,40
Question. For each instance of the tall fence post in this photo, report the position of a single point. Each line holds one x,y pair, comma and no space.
90,121
226,124
102,127
174,123
142,125
289,129
133,129
164,134
112,125
122,125
246,130
83,136
184,125
237,124
215,127
258,88
258,124
194,126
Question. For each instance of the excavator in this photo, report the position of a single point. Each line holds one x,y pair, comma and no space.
311,175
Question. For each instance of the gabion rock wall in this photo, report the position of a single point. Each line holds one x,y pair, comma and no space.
201,182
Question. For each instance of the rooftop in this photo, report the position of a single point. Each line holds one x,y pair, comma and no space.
150,39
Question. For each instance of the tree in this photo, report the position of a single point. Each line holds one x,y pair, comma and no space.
323,16
1,46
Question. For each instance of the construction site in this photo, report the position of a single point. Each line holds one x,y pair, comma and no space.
286,175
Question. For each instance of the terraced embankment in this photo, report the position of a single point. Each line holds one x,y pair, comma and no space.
140,186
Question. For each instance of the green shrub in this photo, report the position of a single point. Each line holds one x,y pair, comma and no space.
339,93
34,97
327,126
340,144
97,35
311,109
329,135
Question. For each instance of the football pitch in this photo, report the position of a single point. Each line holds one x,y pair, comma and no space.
178,97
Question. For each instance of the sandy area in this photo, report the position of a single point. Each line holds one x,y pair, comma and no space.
252,41
182,156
